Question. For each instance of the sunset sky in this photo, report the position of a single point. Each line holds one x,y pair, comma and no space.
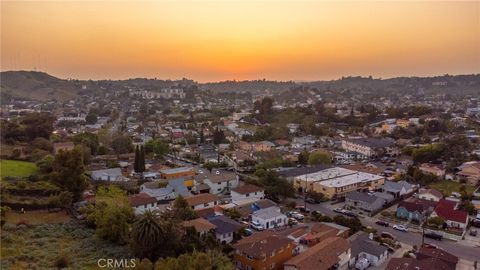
209,41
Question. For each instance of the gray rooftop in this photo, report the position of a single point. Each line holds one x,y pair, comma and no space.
363,244
362,196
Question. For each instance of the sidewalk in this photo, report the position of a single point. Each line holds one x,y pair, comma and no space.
471,241
465,265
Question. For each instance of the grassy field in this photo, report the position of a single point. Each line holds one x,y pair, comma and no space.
16,168
447,187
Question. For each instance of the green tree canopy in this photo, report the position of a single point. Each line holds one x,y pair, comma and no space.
181,209
319,157
211,260
112,214
122,144
69,172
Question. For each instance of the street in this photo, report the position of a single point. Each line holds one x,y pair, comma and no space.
410,238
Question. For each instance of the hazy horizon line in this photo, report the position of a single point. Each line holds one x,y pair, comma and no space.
243,80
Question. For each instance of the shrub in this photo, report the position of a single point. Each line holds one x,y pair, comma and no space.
61,261
22,222
386,214
370,230
291,204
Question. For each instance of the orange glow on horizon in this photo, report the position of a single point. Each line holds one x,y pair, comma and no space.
221,40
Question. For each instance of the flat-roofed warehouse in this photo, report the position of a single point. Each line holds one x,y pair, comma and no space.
336,182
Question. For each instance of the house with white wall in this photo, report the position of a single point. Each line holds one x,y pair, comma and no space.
270,218
219,181
202,201
142,202
247,193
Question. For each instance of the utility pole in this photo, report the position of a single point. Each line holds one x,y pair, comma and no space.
305,194
423,236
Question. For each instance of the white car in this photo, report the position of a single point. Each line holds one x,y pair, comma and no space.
297,216
257,226
402,228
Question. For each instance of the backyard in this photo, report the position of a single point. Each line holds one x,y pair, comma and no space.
15,168
447,187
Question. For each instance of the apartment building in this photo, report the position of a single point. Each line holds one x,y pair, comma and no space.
370,147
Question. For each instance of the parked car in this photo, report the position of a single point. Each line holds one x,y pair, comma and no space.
339,210
257,226
302,209
400,227
248,232
382,223
473,233
312,201
433,235
297,216
387,235
292,221
349,213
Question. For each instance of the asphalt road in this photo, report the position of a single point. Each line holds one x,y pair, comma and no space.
410,238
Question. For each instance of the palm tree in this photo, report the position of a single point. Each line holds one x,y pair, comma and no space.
146,235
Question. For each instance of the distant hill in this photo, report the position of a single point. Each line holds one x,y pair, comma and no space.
42,86
39,86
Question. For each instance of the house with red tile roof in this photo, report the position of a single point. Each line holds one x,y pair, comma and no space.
426,259
331,252
454,218
263,250
142,202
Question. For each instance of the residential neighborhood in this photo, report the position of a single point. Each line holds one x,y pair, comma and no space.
240,135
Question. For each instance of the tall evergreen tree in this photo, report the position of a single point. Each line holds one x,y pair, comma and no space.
141,163
136,161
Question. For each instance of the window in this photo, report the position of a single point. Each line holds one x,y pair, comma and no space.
247,195
218,189
205,204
